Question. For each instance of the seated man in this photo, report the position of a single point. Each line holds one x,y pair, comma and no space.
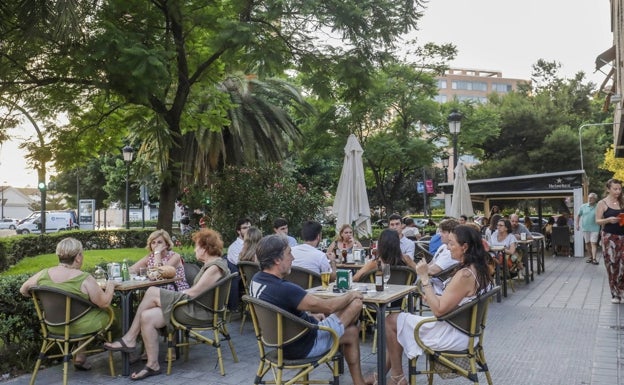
308,256
410,231
280,226
407,245
340,313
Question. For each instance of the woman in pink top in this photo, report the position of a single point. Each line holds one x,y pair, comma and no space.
159,244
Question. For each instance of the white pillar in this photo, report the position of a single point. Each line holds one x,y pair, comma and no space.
578,235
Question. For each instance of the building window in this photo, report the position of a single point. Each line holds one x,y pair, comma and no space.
501,88
440,98
470,86
441,84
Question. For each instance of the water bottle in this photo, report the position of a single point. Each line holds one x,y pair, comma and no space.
125,271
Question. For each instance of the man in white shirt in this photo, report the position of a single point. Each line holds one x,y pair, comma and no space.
280,227
307,255
442,259
407,245
234,250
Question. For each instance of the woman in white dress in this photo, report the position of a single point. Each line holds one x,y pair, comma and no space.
472,279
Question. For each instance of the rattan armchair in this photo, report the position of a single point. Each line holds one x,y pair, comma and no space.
215,300
305,278
276,328
247,270
59,310
470,319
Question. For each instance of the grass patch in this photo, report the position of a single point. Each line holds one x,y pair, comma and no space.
92,258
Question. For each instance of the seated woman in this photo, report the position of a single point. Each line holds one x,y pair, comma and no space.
159,244
154,311
68,277
472,279
344,241
503,237
250,244
388,249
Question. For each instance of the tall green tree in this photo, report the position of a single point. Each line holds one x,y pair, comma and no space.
150,69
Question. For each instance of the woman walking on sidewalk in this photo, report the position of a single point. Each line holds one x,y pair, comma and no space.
608,215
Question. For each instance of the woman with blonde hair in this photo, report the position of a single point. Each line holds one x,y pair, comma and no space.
250,244
344,241
160,246
154,311
68,277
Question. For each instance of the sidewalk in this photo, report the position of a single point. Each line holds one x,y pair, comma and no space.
560,329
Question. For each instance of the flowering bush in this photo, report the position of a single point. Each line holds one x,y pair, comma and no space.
261,193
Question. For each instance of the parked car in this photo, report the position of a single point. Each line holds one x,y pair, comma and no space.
8,223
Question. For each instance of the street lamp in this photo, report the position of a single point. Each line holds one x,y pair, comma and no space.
454,122
3,188
445,164
128,153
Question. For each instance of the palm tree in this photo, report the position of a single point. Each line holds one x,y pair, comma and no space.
261,129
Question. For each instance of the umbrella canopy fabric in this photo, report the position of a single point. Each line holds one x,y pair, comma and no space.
461,204
351,201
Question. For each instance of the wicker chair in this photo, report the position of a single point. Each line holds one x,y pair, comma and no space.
305,278
276,328
215,300
247,270
59,309
422,251
470,319
560,241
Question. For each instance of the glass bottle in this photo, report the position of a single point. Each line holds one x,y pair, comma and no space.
125,271
379,281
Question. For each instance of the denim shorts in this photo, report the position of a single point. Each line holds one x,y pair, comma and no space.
323,340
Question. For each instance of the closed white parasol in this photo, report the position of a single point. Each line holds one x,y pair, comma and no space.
351,201
461,204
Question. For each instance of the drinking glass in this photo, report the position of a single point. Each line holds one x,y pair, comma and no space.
325,276
386,274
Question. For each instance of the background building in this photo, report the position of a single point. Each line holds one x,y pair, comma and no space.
469,84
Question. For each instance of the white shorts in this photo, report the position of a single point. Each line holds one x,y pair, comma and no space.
590,236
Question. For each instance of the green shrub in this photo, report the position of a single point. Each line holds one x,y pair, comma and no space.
20,333
13,249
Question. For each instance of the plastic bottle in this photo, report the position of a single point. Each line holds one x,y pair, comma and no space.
379,282
125,271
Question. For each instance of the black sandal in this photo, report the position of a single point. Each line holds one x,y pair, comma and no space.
595,262
149,372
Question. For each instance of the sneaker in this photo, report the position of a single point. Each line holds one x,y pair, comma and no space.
615,300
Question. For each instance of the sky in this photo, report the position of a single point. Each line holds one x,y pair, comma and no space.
496,35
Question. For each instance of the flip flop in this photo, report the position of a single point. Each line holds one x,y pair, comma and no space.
595,262
123,348
82,366
149,372
589,260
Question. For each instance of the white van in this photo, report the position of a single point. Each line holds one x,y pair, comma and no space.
55,221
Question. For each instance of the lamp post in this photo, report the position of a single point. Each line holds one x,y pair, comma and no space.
128,153
445,164
454,122
4,186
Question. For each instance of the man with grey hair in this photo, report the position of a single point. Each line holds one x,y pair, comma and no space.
587,218
339,313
